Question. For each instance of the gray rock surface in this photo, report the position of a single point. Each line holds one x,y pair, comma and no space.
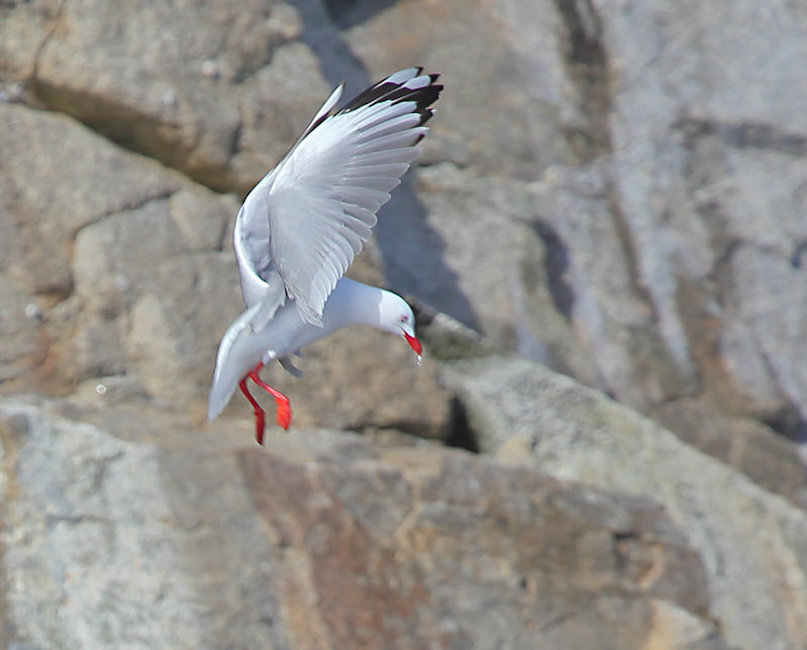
111,271
768,460
753,543
614,189
607,200
654,250
108,545
669,206
198,94
142,282
322,540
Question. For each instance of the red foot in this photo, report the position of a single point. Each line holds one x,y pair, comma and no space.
283,404
260,425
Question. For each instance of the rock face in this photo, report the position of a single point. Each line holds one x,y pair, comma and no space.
197,91
523,411
613,189
324,540
142,282
613,202
599,196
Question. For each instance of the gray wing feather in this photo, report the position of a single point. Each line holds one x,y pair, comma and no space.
261,285
322,199
260,280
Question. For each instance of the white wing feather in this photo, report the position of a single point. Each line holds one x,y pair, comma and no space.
303,224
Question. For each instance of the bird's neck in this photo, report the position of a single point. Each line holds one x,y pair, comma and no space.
353,303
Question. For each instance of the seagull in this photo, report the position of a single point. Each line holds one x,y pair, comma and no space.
301,226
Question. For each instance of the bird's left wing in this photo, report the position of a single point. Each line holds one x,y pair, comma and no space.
323,197
251,237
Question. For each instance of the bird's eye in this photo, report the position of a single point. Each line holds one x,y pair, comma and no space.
404,318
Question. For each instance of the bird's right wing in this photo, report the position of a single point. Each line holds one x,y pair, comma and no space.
317,207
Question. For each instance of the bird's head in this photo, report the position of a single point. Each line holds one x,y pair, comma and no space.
397,318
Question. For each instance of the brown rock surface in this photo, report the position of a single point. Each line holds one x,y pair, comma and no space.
753,543
752,448
191,86
142,282
615,189
163,537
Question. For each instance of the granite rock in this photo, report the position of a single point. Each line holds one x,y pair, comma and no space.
158,535
753,543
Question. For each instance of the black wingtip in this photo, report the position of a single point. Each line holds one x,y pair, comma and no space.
425,97
394,91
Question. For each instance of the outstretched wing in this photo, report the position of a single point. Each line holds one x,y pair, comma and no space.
321,200
260,281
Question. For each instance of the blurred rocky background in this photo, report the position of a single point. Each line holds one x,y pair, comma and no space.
605,242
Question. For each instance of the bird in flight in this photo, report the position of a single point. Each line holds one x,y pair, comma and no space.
301,226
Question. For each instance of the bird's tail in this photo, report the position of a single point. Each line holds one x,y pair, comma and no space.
234,360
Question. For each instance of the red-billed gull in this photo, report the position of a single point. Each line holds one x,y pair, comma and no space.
301,226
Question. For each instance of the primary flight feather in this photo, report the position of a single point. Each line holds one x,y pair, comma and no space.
304,222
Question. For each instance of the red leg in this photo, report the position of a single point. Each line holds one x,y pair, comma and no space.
283,404
260,414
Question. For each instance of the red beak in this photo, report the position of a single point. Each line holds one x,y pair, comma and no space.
413,343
